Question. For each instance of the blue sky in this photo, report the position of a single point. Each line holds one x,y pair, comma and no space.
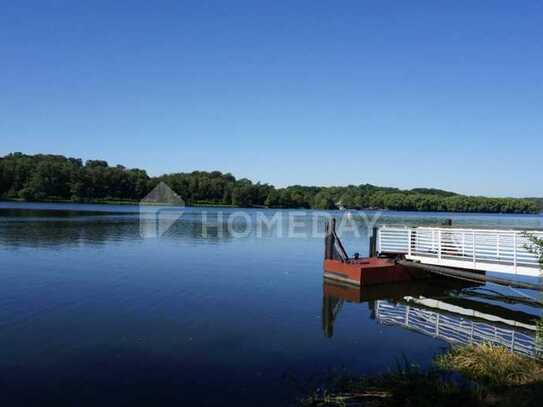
444,94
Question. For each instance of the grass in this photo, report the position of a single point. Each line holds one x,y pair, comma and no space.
539,335
474,375
406,385
492,365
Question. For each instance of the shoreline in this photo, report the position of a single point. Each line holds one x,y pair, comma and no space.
475,375
115,202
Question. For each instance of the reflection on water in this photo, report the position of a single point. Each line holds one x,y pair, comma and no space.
42,225
50,230
452,311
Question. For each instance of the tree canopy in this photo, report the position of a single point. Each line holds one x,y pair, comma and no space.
55,177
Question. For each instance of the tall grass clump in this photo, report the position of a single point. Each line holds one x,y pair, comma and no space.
404,385
470,375
491,365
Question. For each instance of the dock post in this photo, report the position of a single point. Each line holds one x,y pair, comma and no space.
373,242
329,240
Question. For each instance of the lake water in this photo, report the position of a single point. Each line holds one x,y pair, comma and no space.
92,312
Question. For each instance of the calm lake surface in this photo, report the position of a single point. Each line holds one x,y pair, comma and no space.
91,312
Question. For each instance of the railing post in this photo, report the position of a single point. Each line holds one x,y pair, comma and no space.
498,247
515,252
409,241
474,256
439,244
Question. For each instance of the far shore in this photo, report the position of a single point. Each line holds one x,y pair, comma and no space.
204,204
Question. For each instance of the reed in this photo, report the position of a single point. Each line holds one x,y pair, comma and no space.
473,375
491,365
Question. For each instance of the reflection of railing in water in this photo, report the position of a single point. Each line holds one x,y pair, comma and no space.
457,329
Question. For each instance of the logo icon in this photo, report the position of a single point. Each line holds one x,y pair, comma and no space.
159,210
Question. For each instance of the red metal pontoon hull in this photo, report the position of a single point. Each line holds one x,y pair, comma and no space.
368,271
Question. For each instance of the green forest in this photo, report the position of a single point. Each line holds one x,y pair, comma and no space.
54,177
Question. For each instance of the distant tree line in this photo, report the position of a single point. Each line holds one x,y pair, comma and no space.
55,177
538,202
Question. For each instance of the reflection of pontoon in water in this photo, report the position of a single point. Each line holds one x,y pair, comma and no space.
452,317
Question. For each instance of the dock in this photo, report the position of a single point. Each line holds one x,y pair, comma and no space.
399,254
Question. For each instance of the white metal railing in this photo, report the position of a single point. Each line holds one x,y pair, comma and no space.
503,251
459,329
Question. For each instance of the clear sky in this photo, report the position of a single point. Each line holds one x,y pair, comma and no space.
444,94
